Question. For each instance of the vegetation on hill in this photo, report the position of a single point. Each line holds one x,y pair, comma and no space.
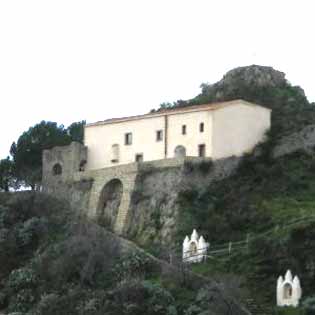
54,263
259,202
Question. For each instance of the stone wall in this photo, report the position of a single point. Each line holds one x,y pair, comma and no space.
70,158
154,208
149,189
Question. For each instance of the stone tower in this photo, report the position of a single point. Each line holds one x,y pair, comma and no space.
61,163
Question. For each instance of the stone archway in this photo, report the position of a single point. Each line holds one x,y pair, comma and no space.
180,151
109,202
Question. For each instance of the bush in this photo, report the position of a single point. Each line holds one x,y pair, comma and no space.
309,305
289,311
30,230
22,301
132,266
205,166
140,298
22,278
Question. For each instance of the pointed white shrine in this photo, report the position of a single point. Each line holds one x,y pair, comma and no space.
289,290
195,248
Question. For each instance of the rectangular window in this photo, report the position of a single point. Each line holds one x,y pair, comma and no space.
202,150
159,135
128,138
139,158
184,129
201,127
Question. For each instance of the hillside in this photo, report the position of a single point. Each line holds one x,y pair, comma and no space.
52,262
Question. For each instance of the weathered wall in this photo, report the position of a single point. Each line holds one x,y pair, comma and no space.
70,158
148,207
154,209
238,129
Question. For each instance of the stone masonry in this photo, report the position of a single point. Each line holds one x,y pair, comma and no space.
71,159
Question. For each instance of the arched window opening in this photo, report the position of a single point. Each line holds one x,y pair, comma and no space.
82,166
115,153
287,291
57,169
180,151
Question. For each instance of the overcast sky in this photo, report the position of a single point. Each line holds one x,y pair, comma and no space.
66,61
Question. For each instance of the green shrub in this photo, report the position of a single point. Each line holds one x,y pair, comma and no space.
205,166
22,278
132,266
22,301
30,230
140,298
289,311
309,305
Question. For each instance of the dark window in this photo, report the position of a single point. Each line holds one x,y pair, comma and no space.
202,150
82,166
57,169
201,127
139,158
128,138
184,129
159,135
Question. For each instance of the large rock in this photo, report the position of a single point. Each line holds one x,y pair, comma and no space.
258,75
302,140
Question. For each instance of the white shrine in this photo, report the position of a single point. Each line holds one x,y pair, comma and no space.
289,290
195,248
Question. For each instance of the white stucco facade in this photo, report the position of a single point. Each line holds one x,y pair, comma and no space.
211,130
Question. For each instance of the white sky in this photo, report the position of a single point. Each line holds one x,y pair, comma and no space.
64,61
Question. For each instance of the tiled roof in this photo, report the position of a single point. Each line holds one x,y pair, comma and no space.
173,111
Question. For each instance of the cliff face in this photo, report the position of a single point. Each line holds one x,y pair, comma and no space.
155,204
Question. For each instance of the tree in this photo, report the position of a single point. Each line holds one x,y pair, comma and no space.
76,130
7,178
27,152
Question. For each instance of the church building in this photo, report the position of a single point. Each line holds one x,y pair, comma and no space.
214,131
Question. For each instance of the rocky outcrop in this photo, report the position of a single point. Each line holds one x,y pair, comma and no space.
253,76
254,83
302,140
